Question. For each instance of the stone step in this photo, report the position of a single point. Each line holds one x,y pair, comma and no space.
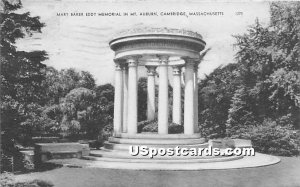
156,141
201,164
114,146
223,143
157,136
163,161
126,155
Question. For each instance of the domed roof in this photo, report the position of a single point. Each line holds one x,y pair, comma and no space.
153,41
157,31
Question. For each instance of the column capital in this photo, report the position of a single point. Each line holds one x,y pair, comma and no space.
125,66
133,60
177,70
196,67
118,66
151,70
189,64
163,59
190,61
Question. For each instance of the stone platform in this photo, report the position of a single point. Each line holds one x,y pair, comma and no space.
122,141
258,160
115,153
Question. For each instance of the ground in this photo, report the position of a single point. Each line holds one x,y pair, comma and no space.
285,173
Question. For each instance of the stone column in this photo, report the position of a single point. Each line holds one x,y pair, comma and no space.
132,96
189,97
118,99
196,97
151,93
163,108
177,95
125,97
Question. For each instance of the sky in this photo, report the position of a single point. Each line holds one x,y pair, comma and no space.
81,42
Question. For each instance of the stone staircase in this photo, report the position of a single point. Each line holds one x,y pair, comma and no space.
116,150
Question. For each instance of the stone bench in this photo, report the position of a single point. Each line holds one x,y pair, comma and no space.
46,151
242,143
41,139
230,143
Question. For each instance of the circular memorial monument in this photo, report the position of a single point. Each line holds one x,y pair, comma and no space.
158,50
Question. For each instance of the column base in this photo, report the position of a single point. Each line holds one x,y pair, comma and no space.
157,136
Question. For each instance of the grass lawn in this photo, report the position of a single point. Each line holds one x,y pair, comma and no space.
285,173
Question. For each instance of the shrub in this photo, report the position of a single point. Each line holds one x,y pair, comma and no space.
34,183
271,138
175,128
212,124
142,124
107,131
152,126
13,160
6,179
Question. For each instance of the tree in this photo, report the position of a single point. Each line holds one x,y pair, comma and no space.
259,95
266,106
105,104
268,59
21,72
59,83
78,112
215,94
240,112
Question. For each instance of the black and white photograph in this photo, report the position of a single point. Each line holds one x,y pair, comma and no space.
162,93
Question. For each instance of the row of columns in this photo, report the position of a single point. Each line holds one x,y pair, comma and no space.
125,108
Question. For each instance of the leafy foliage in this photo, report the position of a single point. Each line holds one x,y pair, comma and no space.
152,126
21,72
142,99
215,93
36,182
60,83
7,179
262,85
240,112
105,102
143,124
78,110
268,59
175,128
272,138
